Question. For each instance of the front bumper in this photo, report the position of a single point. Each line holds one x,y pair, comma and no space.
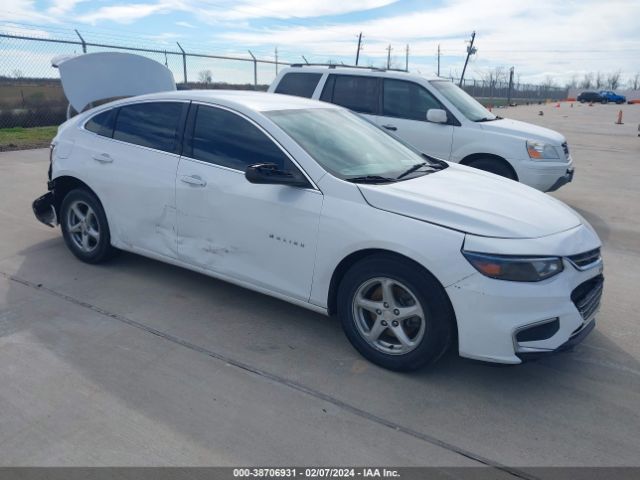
566,178
491,314
44,209
544,176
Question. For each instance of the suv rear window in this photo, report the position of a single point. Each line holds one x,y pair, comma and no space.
152,124
299,84
357,93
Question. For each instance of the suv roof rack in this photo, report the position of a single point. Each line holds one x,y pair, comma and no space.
342,65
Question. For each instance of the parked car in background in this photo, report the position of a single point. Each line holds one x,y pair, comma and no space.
611,96
312,204
439,119
584,97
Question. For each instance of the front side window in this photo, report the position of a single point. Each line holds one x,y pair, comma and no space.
408,100
152,124
225,138
347,145
465,103
299,84
102,123
357,93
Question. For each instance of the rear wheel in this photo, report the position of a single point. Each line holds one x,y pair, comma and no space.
395,314
84,227
495,166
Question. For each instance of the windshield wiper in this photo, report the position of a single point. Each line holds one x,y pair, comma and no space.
370,179
487,119
414,168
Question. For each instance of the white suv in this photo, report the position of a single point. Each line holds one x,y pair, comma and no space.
439,119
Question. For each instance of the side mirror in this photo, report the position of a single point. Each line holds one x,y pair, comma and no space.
269,173
436,115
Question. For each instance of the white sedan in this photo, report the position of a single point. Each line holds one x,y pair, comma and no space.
309,203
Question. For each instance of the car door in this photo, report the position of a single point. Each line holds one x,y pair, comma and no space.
358,93
262,234
404,113
133,173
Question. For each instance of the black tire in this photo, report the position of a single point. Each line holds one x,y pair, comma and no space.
495,166
439,319
99,249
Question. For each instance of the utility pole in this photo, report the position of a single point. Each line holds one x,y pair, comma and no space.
510,86
359,48
389,56
438,59
276,61
406,60
470,51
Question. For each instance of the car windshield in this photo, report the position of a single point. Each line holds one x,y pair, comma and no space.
350,147
465,103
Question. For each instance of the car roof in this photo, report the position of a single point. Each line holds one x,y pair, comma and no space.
257,101
364,71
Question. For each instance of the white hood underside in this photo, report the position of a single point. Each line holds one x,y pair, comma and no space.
98,76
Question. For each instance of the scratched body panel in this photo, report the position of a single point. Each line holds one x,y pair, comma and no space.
266,234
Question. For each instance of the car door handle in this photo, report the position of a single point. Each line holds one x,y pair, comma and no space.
193,180
102,158
393,128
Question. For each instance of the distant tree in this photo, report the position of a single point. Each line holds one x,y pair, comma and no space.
587,81
613,80
548,83
205,76
573,83
16,73
599,82
634,82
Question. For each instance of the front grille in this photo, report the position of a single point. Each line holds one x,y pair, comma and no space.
583,260
586,296
565,147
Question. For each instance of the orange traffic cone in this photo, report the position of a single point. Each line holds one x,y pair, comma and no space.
619,121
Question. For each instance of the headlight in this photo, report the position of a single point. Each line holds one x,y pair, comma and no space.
541,151
515,269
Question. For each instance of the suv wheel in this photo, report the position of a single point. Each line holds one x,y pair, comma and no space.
396,315
84,227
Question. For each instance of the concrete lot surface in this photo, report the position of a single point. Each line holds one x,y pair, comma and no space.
140,363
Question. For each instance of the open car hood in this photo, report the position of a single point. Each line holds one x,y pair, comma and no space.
98,76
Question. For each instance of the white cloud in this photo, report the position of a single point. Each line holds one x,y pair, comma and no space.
185,24
548,36
60,7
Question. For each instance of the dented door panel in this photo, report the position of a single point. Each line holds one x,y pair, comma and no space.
263,234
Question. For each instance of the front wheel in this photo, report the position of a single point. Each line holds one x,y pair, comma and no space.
394,313
84,227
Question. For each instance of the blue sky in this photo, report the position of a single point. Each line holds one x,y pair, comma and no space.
544,38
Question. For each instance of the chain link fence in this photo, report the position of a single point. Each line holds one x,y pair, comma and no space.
31,94
497,93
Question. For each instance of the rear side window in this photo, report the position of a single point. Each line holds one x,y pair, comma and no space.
102,124
224,138
299,84
408,100
357,93
153,124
